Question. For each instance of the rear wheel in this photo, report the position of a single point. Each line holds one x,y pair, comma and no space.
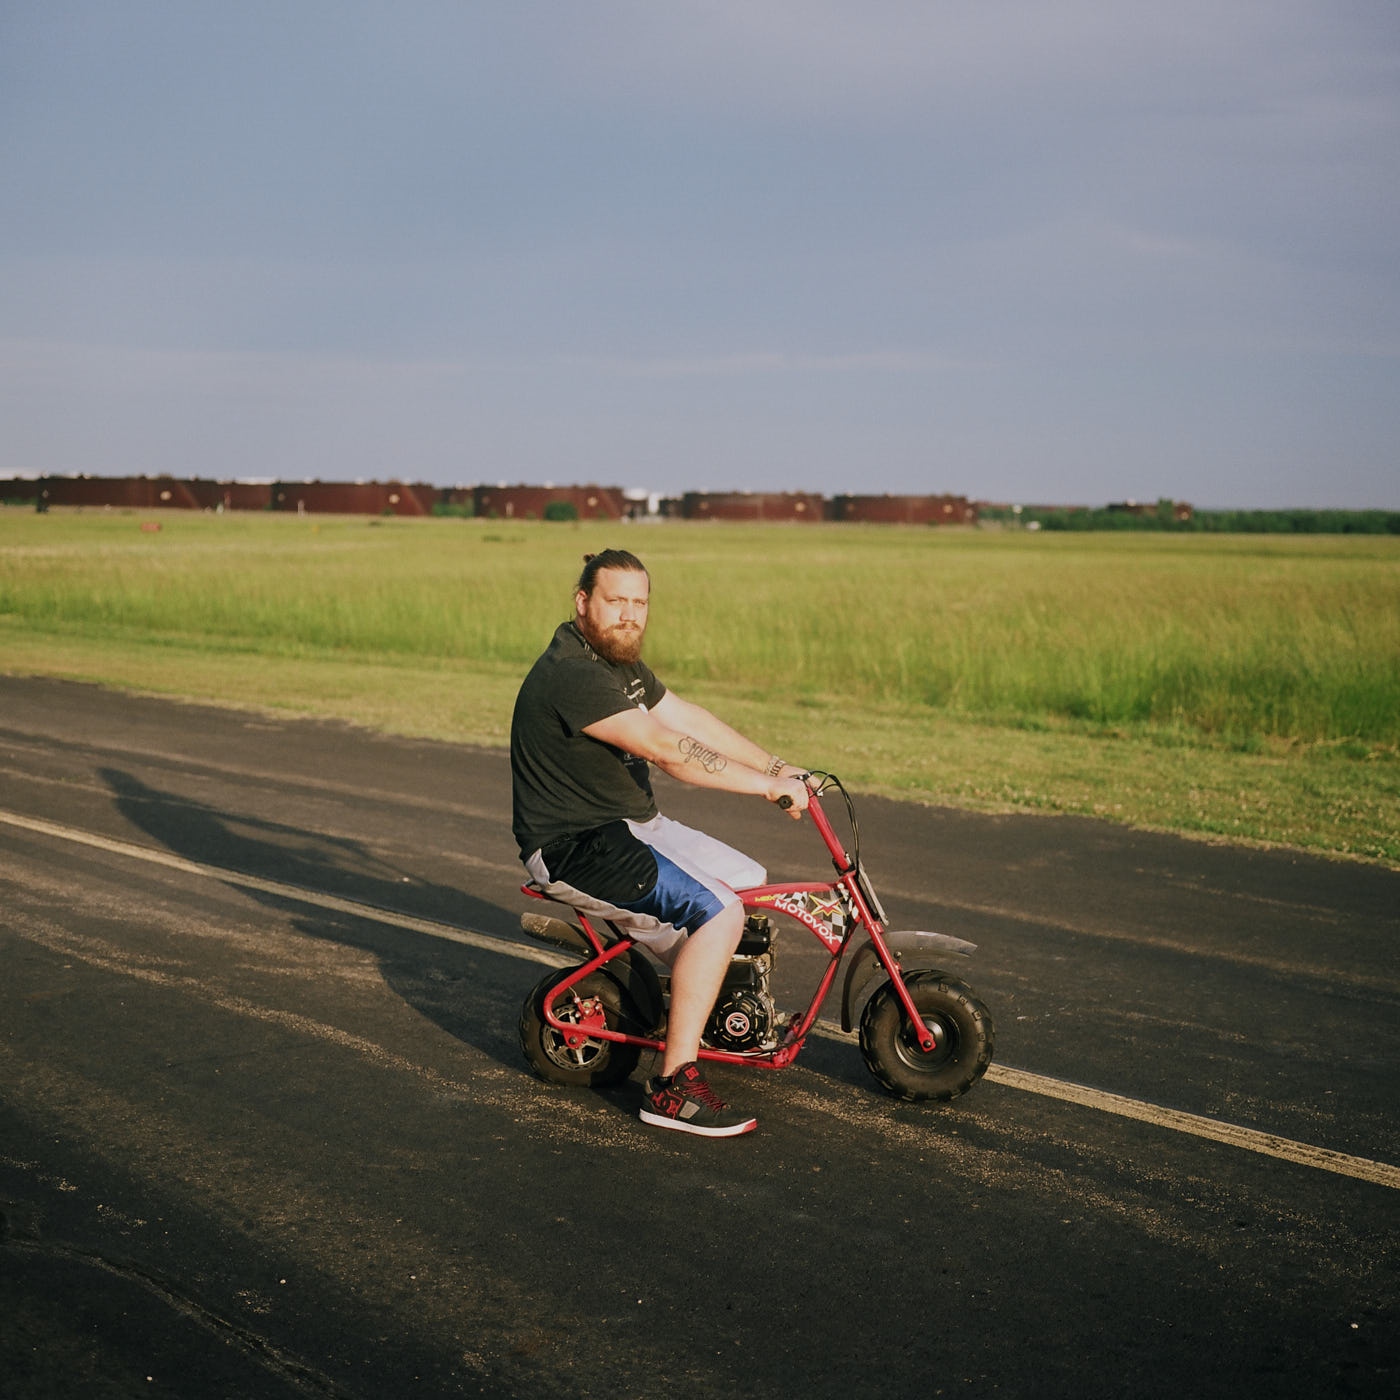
588,1060
961,1028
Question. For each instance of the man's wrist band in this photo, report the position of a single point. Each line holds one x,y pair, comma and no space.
775,766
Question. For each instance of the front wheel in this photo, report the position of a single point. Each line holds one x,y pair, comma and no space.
962,1030
590,1060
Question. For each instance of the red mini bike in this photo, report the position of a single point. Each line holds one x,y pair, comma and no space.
923,1032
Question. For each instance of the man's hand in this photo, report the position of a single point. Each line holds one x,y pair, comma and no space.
795,790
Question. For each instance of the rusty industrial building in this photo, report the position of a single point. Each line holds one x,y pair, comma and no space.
753,505
139,492
193,493
508,502
904,510
535,502
354,497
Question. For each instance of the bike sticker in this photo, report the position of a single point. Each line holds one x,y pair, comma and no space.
826,917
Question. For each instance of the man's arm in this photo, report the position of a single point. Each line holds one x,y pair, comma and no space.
690,718
695,757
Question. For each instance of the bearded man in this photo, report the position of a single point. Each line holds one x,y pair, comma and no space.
589,720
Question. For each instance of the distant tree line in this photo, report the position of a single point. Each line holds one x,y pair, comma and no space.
1167,515
1297,522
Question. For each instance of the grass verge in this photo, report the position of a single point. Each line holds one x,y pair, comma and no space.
1333,799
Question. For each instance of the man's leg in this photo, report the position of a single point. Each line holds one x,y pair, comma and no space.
684,896
696,977
679,1097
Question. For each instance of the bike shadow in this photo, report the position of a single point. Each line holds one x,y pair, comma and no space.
469,992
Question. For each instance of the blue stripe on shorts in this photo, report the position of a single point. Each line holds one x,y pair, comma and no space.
677,898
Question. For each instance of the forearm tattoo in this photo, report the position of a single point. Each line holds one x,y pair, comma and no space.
693,751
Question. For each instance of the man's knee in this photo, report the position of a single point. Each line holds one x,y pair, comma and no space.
726,927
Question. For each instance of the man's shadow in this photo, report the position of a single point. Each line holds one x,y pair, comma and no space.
471,994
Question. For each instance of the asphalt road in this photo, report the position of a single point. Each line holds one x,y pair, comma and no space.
265,1129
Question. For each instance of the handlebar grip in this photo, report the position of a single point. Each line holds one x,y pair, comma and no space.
785,802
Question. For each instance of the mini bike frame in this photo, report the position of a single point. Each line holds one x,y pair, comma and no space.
833,913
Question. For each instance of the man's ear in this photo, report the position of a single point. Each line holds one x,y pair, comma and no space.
580,603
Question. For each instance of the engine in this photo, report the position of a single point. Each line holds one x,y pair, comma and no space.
744,1017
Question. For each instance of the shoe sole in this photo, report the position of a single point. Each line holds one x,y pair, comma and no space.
659,1120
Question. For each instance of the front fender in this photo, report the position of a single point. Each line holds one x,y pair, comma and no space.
914,950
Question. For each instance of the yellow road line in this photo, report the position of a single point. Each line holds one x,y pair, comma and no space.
430,927
1268,1144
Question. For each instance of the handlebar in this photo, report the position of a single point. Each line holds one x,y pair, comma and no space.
846,864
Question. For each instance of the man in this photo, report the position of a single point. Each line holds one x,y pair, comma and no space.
589,719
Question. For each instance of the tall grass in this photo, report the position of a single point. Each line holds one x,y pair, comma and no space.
1237,639
1285,637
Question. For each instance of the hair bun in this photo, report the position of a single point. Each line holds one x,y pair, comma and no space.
594,564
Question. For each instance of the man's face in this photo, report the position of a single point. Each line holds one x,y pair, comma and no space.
613,617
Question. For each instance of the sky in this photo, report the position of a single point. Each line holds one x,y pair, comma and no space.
1026,251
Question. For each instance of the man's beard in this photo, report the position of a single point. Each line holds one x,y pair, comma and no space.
622,645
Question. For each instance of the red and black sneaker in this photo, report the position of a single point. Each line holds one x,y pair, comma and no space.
687,1103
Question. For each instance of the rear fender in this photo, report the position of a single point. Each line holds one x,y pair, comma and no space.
637,977
915,951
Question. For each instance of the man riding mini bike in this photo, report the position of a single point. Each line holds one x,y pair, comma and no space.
923,1032
591,721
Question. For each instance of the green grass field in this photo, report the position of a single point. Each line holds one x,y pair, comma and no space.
1241,687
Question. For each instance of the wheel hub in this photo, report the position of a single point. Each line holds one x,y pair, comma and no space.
914,1055
574,1049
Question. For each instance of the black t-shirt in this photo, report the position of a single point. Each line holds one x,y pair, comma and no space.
563,781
